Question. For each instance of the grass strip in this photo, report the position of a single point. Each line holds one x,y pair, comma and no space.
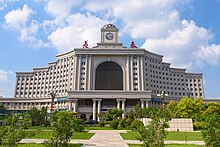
181,136
169,145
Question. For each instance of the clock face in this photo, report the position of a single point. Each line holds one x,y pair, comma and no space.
109,36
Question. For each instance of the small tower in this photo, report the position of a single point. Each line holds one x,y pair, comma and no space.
109,34
109,37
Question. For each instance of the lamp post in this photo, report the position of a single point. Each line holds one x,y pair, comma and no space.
52,94
163,95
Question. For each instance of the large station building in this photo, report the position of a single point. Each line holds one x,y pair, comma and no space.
93,80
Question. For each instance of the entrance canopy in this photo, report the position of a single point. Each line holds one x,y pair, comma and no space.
109,94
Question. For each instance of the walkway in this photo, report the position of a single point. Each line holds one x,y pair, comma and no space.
106,138
110,138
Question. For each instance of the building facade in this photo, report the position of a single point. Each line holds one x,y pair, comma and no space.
93,80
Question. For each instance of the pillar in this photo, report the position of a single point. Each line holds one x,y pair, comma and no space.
147,103
99,108
70,105
94,109
74,104
123,107
118,103
79,74
132,74
142,103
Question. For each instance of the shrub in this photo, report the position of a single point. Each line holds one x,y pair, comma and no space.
211,132
136,124
101,124
122,123
62,122
129,121
198,125
78,125
153,134
114,123
13,129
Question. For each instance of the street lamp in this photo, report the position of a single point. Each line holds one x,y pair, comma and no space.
163,95
52,94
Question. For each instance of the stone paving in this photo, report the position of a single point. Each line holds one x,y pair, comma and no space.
106,138
110,138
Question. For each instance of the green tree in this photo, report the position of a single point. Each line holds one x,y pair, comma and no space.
198,108
78,125
2,107
131,117
211,132
62,122
114,123
13,130
138,111
113,114
172,108
153,134
213,108
185,108
38,116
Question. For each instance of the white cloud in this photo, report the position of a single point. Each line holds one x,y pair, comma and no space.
159,23
5,3
7,81
209,54
60,8
78,29
142,19
17,19
181,45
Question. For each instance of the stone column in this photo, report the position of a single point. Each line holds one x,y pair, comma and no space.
123,107
147,103
79,73
132,74
70,104
118,103
94,109
128,73
99,107
142,71
89,73
142,103
138,73
74,104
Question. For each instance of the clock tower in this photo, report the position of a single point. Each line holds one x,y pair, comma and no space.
109,34
109,37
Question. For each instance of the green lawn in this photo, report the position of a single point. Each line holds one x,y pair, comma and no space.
46,135
41,145
98,128
169,145
82,135
86,128
189,136
39,128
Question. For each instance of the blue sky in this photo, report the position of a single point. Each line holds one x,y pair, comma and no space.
185,32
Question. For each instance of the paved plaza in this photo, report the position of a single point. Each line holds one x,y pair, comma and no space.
110,138
106,138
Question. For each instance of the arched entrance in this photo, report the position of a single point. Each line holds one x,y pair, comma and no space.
109,76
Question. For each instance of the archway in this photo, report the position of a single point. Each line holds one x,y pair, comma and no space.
109,76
